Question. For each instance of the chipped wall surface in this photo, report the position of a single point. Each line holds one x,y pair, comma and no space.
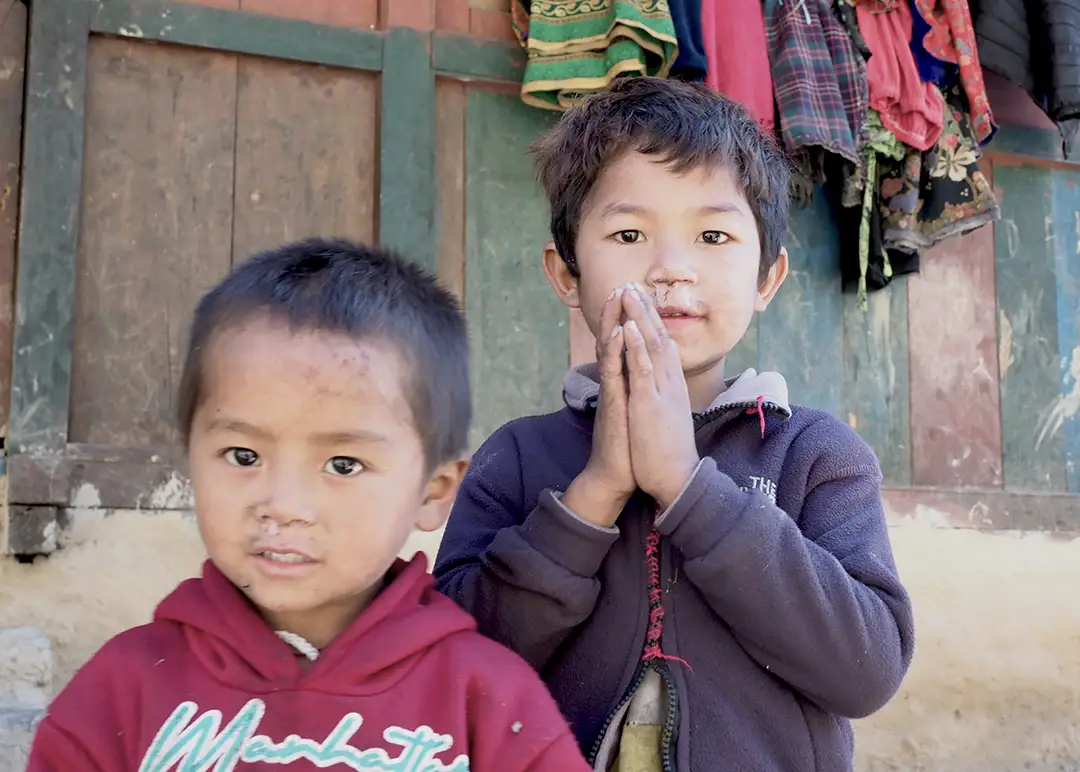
995,685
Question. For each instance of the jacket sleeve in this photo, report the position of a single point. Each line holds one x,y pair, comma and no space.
528,577
815,598
55,750
85,725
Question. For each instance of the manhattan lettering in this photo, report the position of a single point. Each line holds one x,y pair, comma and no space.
189,744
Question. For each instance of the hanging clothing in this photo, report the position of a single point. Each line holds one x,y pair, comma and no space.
937,195
901,202
575,48
738,58
1036,45
692,63
819,81
910,108
943,33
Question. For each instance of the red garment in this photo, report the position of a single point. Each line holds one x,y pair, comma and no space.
410,685
952,39
912,110
735,47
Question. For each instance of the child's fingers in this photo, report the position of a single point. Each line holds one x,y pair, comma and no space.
641,310
612,370
640,365
610,316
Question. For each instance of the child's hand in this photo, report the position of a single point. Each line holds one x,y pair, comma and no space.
662,447
599,493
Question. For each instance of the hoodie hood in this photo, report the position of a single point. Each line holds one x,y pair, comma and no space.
233,642
751,389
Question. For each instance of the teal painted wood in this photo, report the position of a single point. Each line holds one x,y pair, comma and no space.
518,328
801,334
876,377
464,56
1067,253
407,185
1028,330
241,33
49,225
745,353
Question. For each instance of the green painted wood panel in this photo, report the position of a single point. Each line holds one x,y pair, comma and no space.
243,33
407,184
876,391
801,333
745,353
518,328
1066,210
1029,357
49,224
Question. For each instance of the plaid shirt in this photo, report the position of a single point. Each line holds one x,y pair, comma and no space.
818,77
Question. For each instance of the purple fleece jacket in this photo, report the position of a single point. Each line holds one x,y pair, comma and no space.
779,585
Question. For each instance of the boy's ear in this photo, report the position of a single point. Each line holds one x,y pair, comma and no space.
767,289
562,281
439,494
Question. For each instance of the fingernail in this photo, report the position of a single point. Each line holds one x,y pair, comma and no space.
631,325
616,331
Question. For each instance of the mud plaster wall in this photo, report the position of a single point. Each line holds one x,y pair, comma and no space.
995,684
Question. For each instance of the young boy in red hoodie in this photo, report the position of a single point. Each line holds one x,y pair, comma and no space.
325,406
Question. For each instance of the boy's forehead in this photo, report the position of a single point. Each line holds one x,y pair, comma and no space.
644,181
263,362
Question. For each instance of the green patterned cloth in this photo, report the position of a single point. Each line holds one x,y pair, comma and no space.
576,47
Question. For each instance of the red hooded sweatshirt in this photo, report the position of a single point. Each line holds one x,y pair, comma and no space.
410,686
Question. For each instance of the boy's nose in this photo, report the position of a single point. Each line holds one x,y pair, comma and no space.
287,504
671,265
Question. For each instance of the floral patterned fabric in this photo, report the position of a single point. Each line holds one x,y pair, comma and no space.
951,39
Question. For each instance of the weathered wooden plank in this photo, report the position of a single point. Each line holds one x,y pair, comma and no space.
517,326
156,229
150,477
407,147
243,33
1029,358
468,58
48,228
984,510
745,353
876,376
358,14
1066,209
450,173
305,154
12,70
955,395
801,335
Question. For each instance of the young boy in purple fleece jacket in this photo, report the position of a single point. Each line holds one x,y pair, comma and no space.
700,572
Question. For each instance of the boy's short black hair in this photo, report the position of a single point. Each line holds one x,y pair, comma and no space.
363,292
685,124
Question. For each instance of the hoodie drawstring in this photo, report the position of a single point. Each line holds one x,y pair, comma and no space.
656,603
760,413
299,644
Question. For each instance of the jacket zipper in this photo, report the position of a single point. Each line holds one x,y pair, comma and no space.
701,420
635,682
667,736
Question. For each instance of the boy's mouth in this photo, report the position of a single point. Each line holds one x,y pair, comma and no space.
285,557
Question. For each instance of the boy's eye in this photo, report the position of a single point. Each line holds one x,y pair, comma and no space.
241,456
628,237
714,237
343,466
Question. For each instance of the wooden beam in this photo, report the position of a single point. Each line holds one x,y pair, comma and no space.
237,32
104,476
49,226
407,188
984,510
470,58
